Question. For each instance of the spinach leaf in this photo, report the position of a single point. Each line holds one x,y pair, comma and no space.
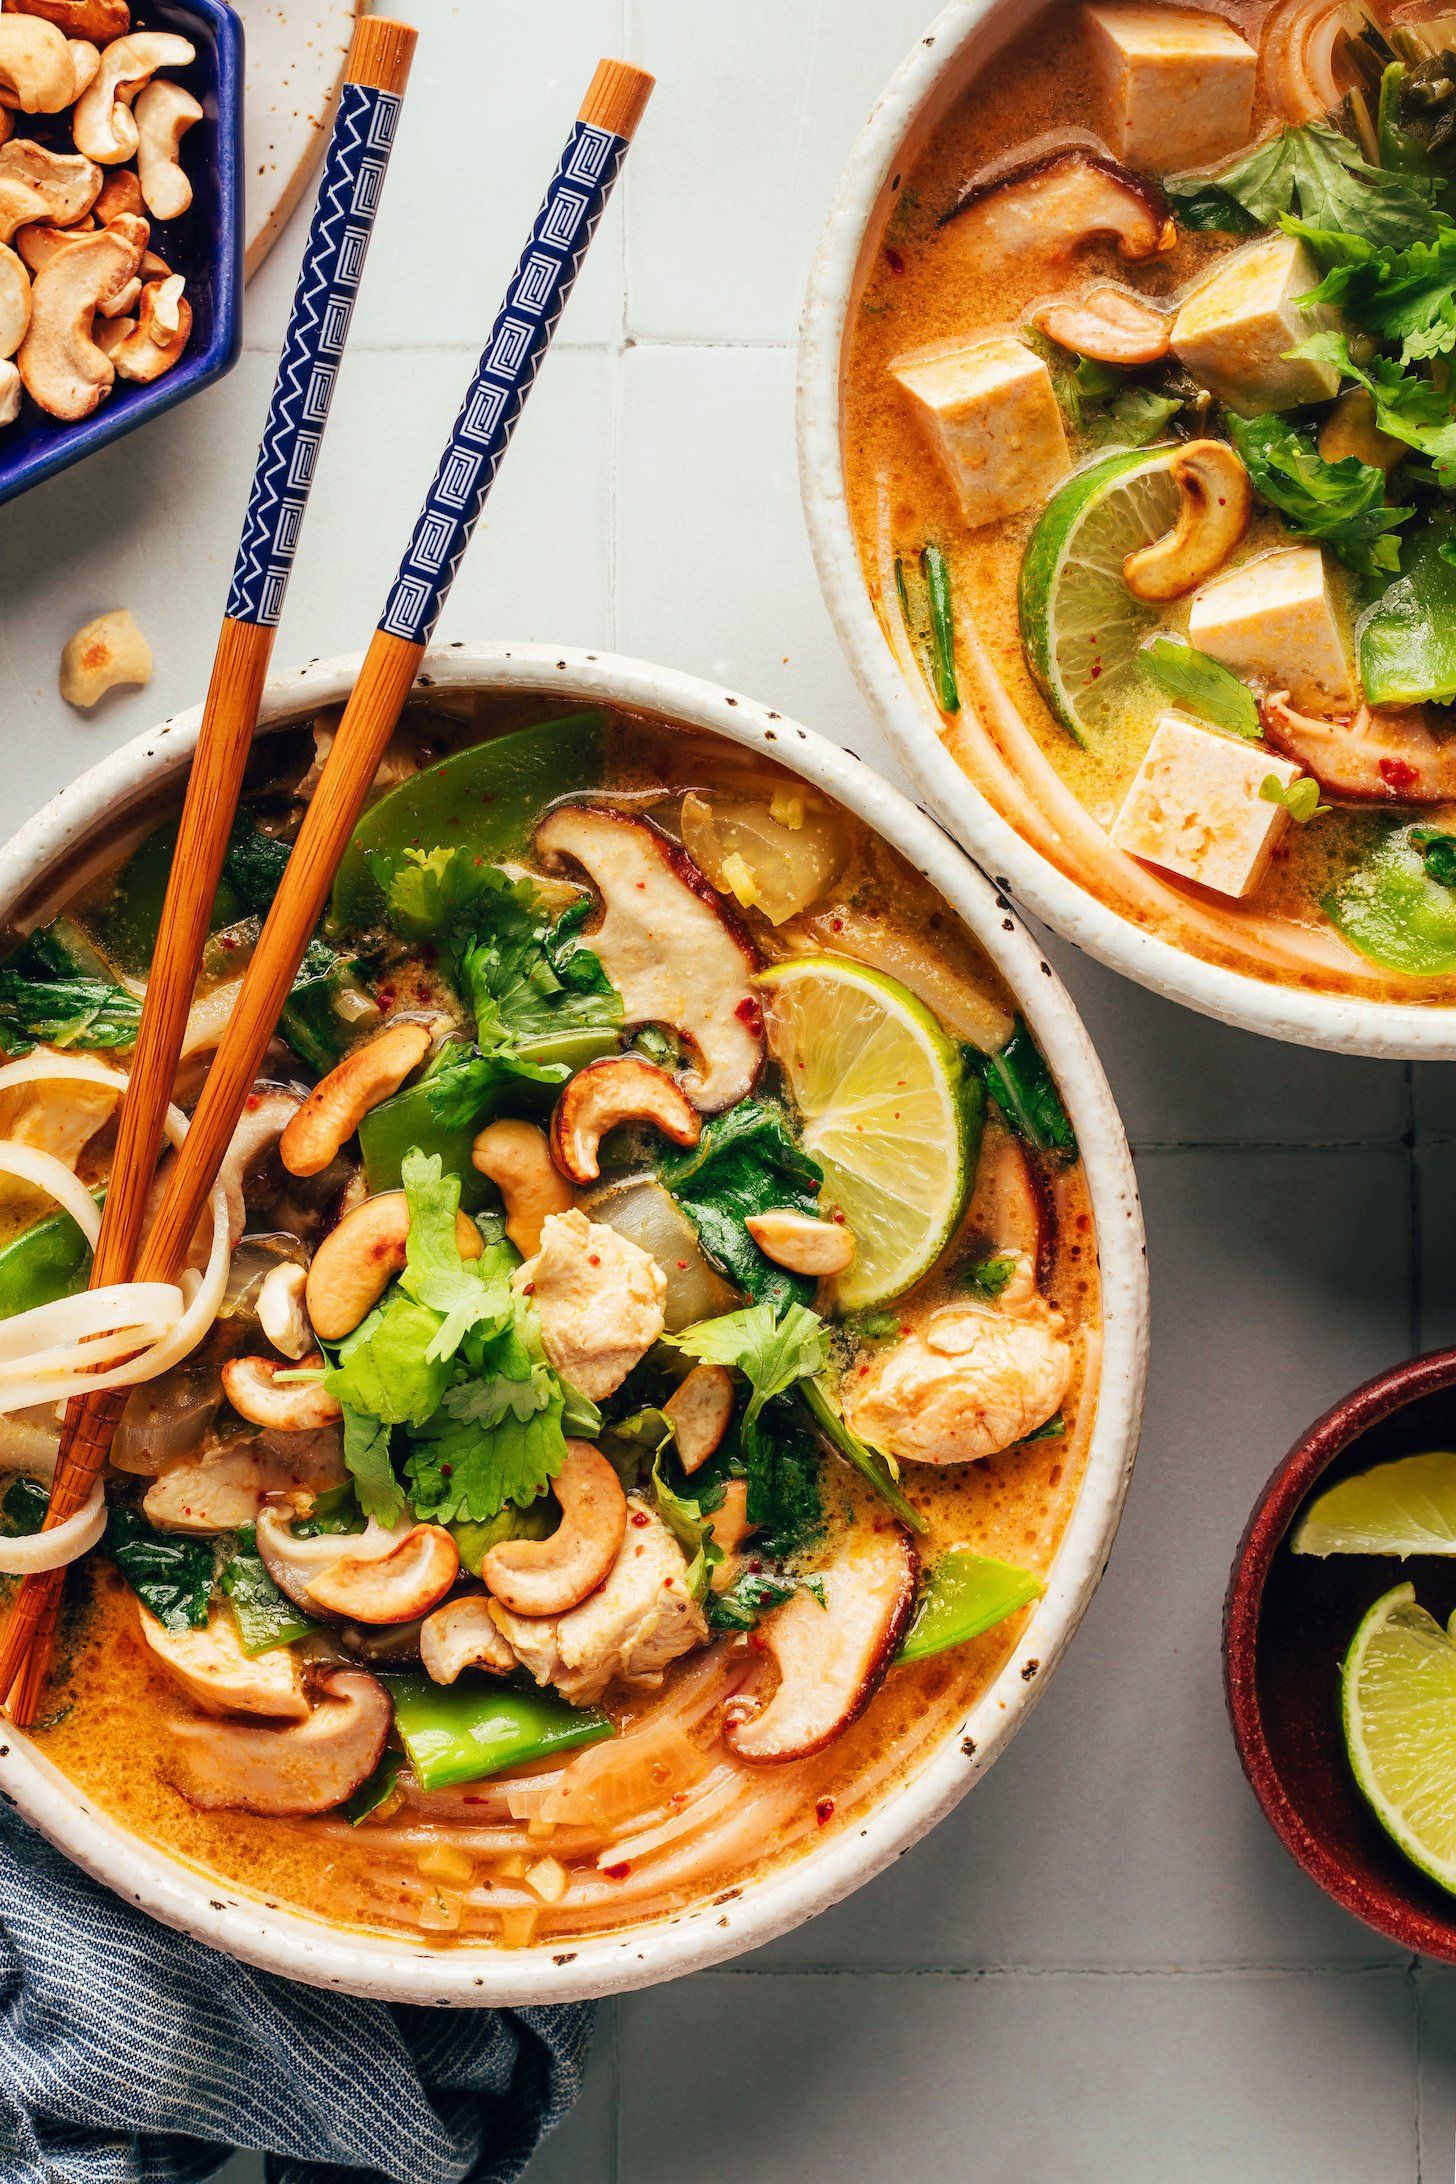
748,1598
335,1514
687,1516
254,865
1204,208
25,1505
458,1089
1053,1430
265,1617
65,1012
170,1575
1201,684
367,1455
872,1463
1021,1084
1405,641
1342,503
784,1470
1320,174
1438,855
746,1162
1135,417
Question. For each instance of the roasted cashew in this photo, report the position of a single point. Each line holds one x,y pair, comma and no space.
280,1309
517,1158
334,1109
10,391
163,329
300,1406
605,1094
1350,429
37,73
63,369
398,1587
462,1635
548,1576
800,1243
356,1262
103,125
98,20
1109,325
68,181
20,205
1213,515
85,65
700,1411
14,301
164,114
120,192
109,651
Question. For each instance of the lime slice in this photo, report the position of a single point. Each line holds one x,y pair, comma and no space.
1404,1508
1400,1728
878,1084
1080,625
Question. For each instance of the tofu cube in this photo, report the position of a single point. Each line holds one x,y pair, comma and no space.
1235,332
991,414
1274,618
1178,87
1195,809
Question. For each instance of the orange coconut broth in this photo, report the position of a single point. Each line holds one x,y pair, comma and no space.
922,289
473,1862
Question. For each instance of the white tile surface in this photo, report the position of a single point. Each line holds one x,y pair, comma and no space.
1102,1966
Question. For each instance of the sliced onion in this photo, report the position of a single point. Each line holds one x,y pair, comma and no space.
45,1066
55,1178
67,1542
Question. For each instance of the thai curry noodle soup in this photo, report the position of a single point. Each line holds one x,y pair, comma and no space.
1150,448
634,1373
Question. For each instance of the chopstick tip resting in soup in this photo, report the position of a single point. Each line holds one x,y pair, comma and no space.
1150,443
635,1374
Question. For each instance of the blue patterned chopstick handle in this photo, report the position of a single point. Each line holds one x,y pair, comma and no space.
519,340
323,305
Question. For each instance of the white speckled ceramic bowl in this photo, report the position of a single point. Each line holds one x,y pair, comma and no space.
466,1976
933,75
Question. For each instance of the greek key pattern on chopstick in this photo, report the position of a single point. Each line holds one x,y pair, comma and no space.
543,280
333,262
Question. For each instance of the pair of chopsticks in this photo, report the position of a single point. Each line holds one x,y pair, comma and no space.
375,78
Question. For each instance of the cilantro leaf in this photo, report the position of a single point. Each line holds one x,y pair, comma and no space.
1410,409
687,1518
1342,503
1021,1084
745,1162
435,1274
772,1354
383,1371
524,978
1319,173
463,1469
458,1089
748,1598
1301,799
366,1453
427,889
170,1575
1407,295
1201,684
992,1276
875,1465
1134,417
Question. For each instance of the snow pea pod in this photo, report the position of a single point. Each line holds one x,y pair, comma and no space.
48,1260
476,1726
1391,909
1406,641
963,1595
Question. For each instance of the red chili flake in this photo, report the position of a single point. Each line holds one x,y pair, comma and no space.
446,1470
1397,775
747,1012
619,1872
893,260
227,940
251,1102
1097,670
640,1517
838,924
642,886
593,1258
682,1266
529,1290
824,1810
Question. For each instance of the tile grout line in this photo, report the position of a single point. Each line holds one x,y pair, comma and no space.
1010,1974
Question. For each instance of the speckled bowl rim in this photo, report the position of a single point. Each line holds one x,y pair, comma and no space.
300,1948
911,106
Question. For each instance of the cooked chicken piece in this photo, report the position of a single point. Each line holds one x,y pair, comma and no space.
974,1380
600,1298
227,1485
212,1668
641,1618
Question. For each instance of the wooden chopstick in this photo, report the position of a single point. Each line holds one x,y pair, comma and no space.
544,277
374,81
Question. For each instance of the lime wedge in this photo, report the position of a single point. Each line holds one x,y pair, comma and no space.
1080,625
1403,1508
878,1084
1400,1728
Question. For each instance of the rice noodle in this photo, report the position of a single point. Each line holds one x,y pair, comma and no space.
57,1181
25,1555
712,1796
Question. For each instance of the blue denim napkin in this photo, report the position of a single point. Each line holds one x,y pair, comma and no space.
133,2055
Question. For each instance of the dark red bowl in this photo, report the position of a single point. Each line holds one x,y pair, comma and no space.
1288,1622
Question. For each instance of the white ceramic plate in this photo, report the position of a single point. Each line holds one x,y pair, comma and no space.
296,50
933,75
464,1976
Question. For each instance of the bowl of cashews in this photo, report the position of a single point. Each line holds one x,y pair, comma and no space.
120,204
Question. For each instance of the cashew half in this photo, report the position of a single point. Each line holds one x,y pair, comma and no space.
1213,515
1109,325
120,192
462,1635
68,181
104,126
280,1309
356,1262
548,1576
298,1407
162,331
85,64
14,302
39,240
19,204
800,1243
517,1158
10,391
605,1094
98,20
395,1588
63,369
37,73
334,1109
164,114
106,652
700,1411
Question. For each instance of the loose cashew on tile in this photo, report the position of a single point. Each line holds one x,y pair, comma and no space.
299,1406
69,182
62,367
104,125
98,20
37,72
163,328
121,192
14,302
164,114
517,1158
108,651
357,1261
334,1109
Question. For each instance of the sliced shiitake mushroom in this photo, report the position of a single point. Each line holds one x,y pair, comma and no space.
831,1659
1051,206
1376,757
231,1766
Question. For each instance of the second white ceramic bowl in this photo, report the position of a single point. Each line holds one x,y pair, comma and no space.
389,1967
933,75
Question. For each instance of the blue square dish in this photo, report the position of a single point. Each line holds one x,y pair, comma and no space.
205,246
